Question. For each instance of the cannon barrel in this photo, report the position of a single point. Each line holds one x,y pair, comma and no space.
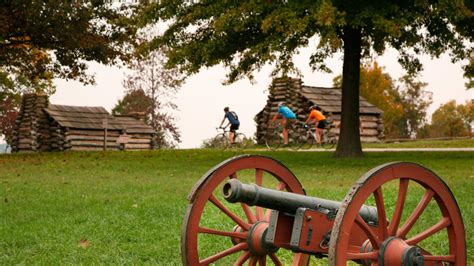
235,191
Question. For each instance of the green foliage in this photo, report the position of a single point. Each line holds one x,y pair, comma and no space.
245,35
134,102
53,39
404,102
452,120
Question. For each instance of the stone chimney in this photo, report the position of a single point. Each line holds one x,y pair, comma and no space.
32,128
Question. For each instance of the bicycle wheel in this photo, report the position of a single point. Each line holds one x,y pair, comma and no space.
220,141
240,141
329,141
274,139
297,137
308,139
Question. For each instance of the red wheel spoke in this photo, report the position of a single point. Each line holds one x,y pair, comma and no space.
220,255
205,230
243,258
275,259
259,177
448,258
381,214
397,214
262,260
443,223
260,213
402,232
259,182
253,261
248,212
359,256
372,237
231,215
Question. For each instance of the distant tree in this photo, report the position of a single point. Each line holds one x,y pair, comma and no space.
447,121
134,101
246,35
415,102
466,112
8,115
404,102
156,87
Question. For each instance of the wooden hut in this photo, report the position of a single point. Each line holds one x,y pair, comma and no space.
48,127
299,97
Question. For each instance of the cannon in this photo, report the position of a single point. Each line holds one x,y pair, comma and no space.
252,210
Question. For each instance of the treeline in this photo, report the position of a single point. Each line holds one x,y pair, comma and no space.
405,102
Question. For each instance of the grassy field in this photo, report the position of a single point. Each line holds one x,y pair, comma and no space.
455,143
127,207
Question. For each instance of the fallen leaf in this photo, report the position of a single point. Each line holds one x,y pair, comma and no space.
84,243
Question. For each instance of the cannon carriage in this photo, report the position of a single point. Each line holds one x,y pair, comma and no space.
252,210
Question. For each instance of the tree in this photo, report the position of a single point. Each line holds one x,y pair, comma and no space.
134,101
54,38
151,88
415,102
43,40
466,112
404,102
246,35
447,121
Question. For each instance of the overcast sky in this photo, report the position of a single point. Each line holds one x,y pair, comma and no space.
202,99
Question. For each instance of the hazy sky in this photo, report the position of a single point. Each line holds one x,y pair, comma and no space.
202,99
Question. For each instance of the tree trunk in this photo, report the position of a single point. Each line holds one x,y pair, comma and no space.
349,138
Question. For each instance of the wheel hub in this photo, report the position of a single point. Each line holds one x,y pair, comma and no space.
395,251
256,239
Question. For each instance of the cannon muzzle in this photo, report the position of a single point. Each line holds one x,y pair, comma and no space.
253,195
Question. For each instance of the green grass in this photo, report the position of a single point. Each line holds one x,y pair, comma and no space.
127,207
457,143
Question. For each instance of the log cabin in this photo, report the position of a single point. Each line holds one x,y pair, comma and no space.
299,97
42,126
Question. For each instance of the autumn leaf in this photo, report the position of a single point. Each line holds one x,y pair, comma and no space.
84,243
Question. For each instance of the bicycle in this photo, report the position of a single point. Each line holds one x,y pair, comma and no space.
221,140
275,139
308,137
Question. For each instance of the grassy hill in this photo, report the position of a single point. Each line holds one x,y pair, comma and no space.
127,207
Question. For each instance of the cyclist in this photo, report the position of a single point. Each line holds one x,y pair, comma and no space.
317,118
233,122
288,118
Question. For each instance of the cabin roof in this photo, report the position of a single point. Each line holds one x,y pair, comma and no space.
86,117
329,99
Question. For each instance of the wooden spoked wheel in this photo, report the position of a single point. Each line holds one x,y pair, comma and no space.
217,232
402,237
